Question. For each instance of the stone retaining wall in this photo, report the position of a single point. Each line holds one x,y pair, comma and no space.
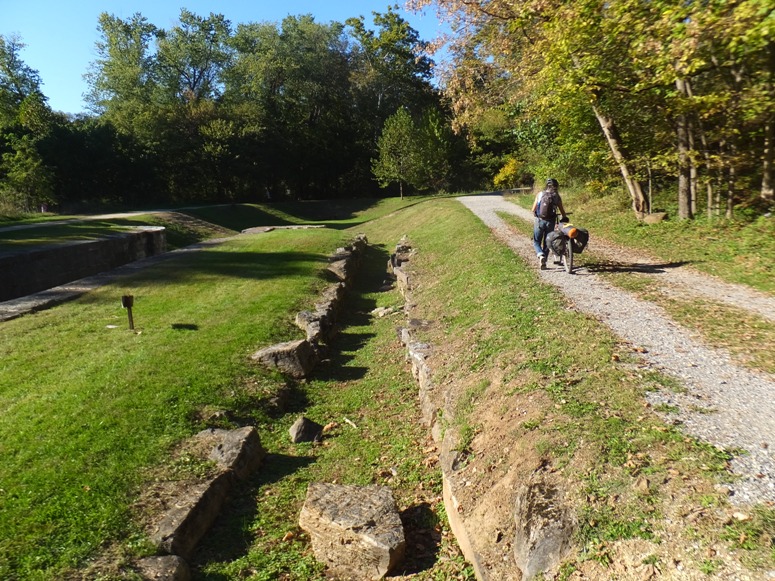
544,525
28,272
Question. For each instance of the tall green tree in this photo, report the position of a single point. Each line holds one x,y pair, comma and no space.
17,80
26,181
123,79
192,58
397,160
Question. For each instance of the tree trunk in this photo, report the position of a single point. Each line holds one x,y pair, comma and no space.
708,162
692,171
731,178
767,193
639,202
684,169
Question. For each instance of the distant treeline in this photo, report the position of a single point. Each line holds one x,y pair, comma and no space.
208,112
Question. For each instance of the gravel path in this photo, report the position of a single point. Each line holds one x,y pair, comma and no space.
726,405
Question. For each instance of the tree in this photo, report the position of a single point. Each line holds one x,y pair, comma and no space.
389,67
433,142
660,78
292,86
192,58
17,80
123,79
26,183
397,152
25,120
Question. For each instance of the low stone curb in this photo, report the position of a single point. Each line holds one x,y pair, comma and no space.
544,524
298,358
238,453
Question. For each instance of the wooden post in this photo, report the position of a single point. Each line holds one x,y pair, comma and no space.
127,301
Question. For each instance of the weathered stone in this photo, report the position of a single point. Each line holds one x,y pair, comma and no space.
305,430
544,528
380,312
343,263
418,353
356,531
166,568
238,450
333,294
192,515
31,271
296,358
655,218
311,324
341,268
402,280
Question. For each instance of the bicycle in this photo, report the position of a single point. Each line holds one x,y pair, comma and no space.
565,241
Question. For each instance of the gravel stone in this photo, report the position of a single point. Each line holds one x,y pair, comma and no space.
726,405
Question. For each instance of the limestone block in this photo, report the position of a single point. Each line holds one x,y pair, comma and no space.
355,530
296,358
402,280
305,430
238,450
655,218
166,568
341,267
310,323
544,528
334,293
191,516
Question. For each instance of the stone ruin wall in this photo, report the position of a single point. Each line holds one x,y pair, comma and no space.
25,273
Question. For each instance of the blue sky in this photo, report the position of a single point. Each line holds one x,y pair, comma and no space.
60,35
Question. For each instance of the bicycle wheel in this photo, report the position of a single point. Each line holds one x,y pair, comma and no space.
567,257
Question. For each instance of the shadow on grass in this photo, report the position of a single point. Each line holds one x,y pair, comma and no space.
623,267
233,533
422,539
242,216
336,367
237,264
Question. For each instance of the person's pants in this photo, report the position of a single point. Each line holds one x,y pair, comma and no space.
540,229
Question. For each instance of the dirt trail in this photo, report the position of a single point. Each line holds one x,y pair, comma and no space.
726,405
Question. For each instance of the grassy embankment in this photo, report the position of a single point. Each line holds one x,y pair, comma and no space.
89,412
741,251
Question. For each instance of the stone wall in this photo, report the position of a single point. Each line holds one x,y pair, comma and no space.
29,272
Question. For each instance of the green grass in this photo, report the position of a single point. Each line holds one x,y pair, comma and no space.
229,219
367,393
177,234
27,238
86,407
501,320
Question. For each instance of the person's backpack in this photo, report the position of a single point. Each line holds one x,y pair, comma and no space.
547,208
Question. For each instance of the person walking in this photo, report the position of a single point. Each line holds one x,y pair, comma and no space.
545,207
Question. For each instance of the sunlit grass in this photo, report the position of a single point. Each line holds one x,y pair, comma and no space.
87,404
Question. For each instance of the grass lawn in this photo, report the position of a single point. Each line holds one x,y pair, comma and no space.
87,406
